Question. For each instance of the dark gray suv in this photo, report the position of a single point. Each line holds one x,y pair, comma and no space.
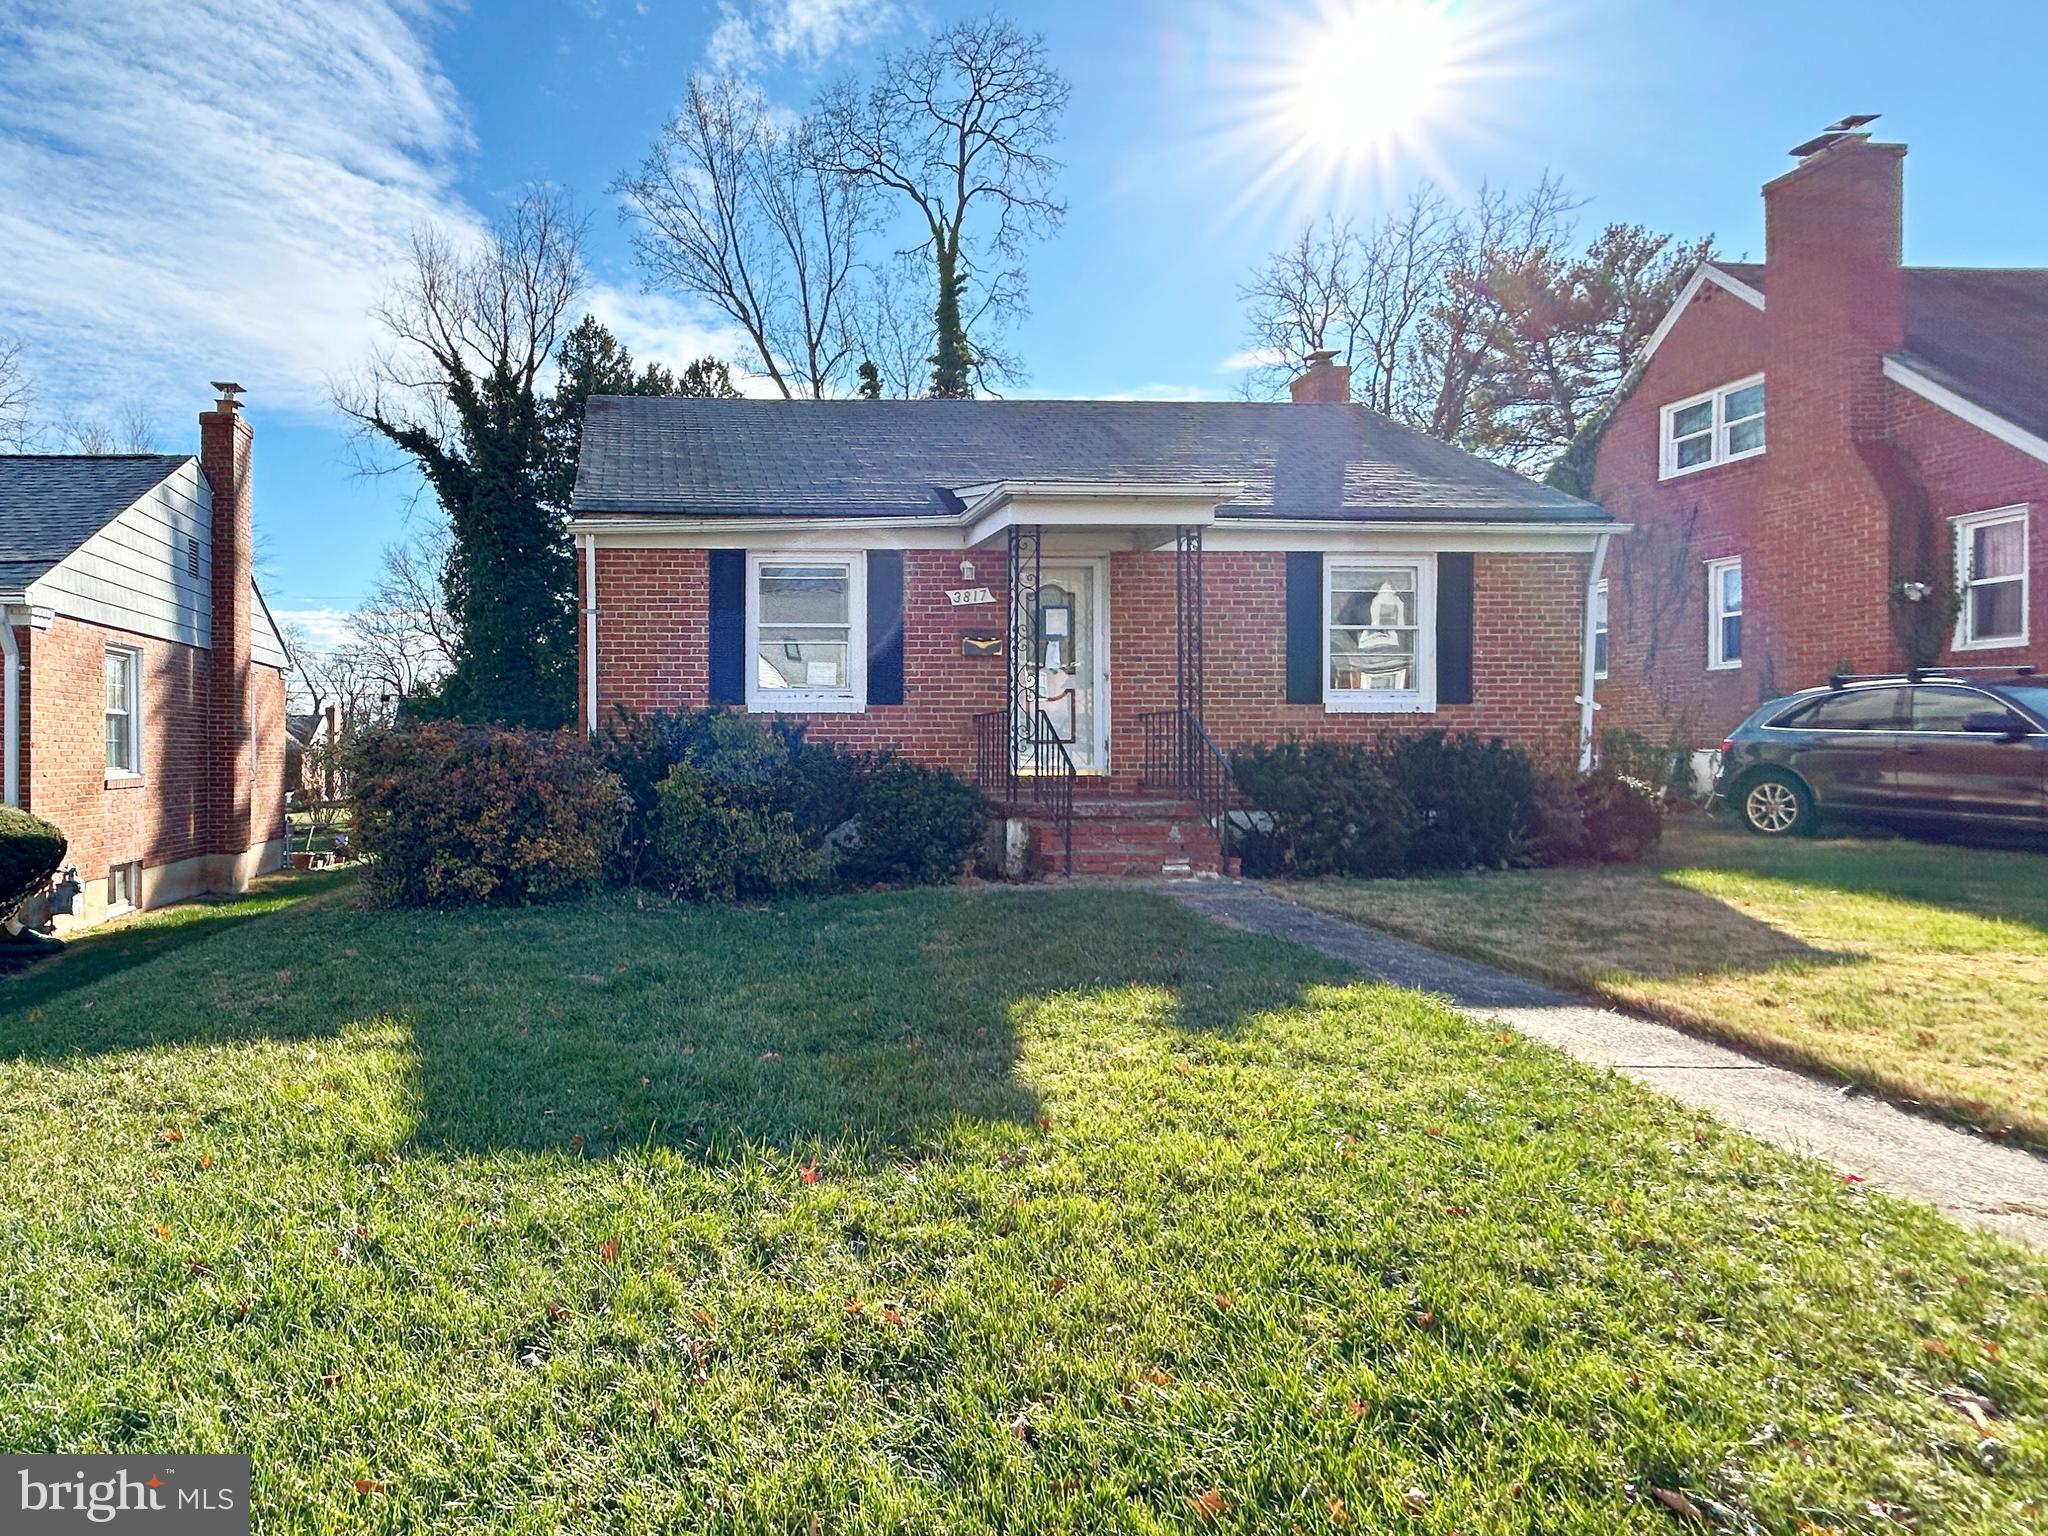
1965,746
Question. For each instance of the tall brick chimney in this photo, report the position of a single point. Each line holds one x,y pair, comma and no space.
1834,305
1327,381
224,439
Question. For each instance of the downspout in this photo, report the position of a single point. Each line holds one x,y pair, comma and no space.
1586,701
10,664
590,632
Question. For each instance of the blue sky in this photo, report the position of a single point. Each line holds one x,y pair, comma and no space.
217,188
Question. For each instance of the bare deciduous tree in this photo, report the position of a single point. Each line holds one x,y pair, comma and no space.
17,398
961,128
455,387
742,211
1482,325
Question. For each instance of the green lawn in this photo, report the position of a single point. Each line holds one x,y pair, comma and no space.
1034,1211
1918,968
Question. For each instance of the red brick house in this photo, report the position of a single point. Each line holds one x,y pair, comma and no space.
1894,512
1078,602
143,676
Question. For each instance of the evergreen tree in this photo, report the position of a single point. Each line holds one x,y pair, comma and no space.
870,381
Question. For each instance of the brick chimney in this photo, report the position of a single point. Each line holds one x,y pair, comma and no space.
1834,305
1835,301
1327,381
224,439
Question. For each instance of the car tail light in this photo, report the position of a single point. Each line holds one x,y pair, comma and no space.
1727,745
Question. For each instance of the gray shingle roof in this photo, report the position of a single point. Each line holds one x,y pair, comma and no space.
1982,331
50,503
906,458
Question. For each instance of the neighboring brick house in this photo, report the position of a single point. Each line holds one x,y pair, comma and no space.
144,678
1899,495
1103,587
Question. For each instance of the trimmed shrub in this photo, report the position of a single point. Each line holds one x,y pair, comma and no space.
911,825
30,852
452,815
1474,798
1324,808
710,850
1622,817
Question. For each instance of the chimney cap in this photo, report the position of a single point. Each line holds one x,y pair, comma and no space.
228,391
1834,133
1322,357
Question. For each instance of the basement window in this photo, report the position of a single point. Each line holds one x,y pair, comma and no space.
123,881
1718,427
124,712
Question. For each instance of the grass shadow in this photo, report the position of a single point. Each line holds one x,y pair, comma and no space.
879,1021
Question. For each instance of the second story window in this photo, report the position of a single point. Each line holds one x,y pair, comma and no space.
1724,613
1718,427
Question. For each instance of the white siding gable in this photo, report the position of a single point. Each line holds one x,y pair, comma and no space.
266,641
149,571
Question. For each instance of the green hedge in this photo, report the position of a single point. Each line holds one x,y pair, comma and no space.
1429,802
30,852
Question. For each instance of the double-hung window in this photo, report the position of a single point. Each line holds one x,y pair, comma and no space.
1379,642
1724,613
1600,629
124,711
1718,427
1991,574
807,623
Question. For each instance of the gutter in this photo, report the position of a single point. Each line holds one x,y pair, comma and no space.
590,631
10,667
1586,701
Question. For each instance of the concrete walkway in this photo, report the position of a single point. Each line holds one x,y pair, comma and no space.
1965,1176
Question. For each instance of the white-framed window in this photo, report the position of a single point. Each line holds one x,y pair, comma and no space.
124,711
123,880
1724,613
1991,575
1719,427
807,626
1379,634
1600,629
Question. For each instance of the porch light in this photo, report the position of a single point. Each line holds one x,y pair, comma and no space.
967,570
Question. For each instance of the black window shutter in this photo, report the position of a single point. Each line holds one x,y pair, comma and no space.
1304,628
728,626
885,626
1453,629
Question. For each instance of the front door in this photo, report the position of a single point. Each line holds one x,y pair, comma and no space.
1067,656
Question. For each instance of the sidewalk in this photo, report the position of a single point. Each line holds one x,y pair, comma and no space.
1963,1175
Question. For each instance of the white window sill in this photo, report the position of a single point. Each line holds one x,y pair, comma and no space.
1724,666
121,778
1378,704
802,704
1697,469
2015,643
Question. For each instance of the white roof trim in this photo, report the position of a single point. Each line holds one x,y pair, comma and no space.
1908,377
1707,273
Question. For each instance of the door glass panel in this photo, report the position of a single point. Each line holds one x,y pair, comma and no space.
1063,654
1947,709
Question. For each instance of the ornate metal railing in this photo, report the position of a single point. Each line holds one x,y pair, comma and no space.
1049,785
1180,754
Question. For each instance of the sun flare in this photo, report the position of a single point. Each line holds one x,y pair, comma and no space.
1371,75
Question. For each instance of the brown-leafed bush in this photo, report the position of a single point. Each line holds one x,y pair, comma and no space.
453,815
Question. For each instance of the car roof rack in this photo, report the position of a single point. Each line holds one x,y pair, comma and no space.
1921,674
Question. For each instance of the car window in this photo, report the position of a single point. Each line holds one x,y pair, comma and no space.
1863,709
1949,709
2033,696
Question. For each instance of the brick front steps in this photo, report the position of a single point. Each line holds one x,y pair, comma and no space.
1126,833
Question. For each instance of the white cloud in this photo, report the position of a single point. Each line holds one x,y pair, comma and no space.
658,328
190,192
1163,392
1252,357
322,629
809,33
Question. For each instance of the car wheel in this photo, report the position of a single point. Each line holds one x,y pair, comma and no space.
1776,805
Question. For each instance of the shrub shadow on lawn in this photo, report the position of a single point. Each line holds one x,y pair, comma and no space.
878,1021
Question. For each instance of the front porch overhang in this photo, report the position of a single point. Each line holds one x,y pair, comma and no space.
1102,515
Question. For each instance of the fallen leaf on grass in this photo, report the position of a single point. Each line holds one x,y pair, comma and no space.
1679,1504
704,1318
891,1315
854,1306
205,1163
1210,1505
173,1134
808,1173
1357,1409
368,1485
332,1378
1416,1500
608,1250
163,1231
